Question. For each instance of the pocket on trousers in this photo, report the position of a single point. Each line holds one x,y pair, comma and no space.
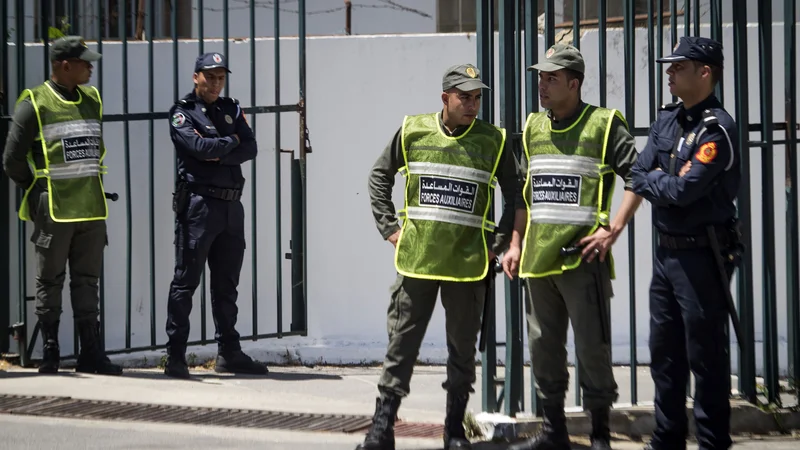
185,256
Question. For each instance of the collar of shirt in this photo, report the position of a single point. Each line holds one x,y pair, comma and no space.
68,95
566,122
458,131
692,116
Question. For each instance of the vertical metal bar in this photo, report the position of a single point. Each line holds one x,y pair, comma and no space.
660,72
123,27
278,238
602,39
301,27
531,87
21,233
673,20
651,64
201,24
74,18
485,66
203,297
576,24
151,150
687,17
254,173
768,202
747,369
549,23
225,35
716,34
100,27
44,5
696,12
630,113
173,17
508,120
792,257
5,191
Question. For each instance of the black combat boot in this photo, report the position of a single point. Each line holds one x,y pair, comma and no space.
381,434
454,435
92,358
236,361
553,434
50,349
601,434
176,365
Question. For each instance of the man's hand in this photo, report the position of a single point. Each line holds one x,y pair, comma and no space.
597,243
393,238
685,168
511,262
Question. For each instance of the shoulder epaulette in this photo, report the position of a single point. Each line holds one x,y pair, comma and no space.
669,106
184,102
709,118
230,100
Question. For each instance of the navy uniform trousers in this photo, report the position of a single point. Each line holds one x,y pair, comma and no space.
688,314
209,230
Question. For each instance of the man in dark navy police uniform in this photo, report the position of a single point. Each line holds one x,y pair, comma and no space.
212,139
690,172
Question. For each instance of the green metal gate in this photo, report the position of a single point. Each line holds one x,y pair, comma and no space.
519,48
121,22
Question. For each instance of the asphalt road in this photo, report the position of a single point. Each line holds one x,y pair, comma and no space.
29,433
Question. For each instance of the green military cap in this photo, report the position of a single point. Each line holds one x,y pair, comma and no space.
561,56
71,47
464,77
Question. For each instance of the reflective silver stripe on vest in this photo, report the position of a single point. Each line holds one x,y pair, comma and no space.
564,214
582,165
443,215
56,131
448,170
72,170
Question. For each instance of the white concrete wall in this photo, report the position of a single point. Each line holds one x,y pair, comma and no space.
359,88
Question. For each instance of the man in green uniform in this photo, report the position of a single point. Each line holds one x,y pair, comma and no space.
573,152
451,161
59,166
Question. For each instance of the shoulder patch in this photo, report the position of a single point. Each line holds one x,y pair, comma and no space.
178,119
707,152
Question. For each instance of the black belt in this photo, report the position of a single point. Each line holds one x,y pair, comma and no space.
230,195
689,242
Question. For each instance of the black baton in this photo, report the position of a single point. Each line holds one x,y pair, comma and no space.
494,268
712,236
601,302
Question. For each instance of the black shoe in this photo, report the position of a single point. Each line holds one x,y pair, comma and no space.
601,434
381,434
176,365
92,358
454,435
237,362
51,351
553,434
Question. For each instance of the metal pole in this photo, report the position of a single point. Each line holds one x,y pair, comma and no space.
630,113
768,202
253,174
126,146
304,149
278,221
5,192
747,375
485,41
151,150
792,258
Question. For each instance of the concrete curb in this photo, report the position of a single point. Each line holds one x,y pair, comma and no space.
637,422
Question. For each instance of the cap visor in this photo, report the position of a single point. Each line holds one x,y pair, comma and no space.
215,66
90,56
471,86
672,58
546,67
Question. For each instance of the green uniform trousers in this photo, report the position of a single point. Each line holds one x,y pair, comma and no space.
552,302
410,310
56,243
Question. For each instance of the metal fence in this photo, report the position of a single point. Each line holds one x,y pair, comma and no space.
121,19
519,48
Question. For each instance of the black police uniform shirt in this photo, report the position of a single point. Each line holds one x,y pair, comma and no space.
202,133
706,135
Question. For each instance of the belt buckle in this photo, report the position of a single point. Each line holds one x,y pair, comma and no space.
227,194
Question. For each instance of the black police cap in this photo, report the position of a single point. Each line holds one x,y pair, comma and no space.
208,61
696,48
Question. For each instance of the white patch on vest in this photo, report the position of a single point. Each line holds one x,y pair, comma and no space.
440,192
556,188
81,148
